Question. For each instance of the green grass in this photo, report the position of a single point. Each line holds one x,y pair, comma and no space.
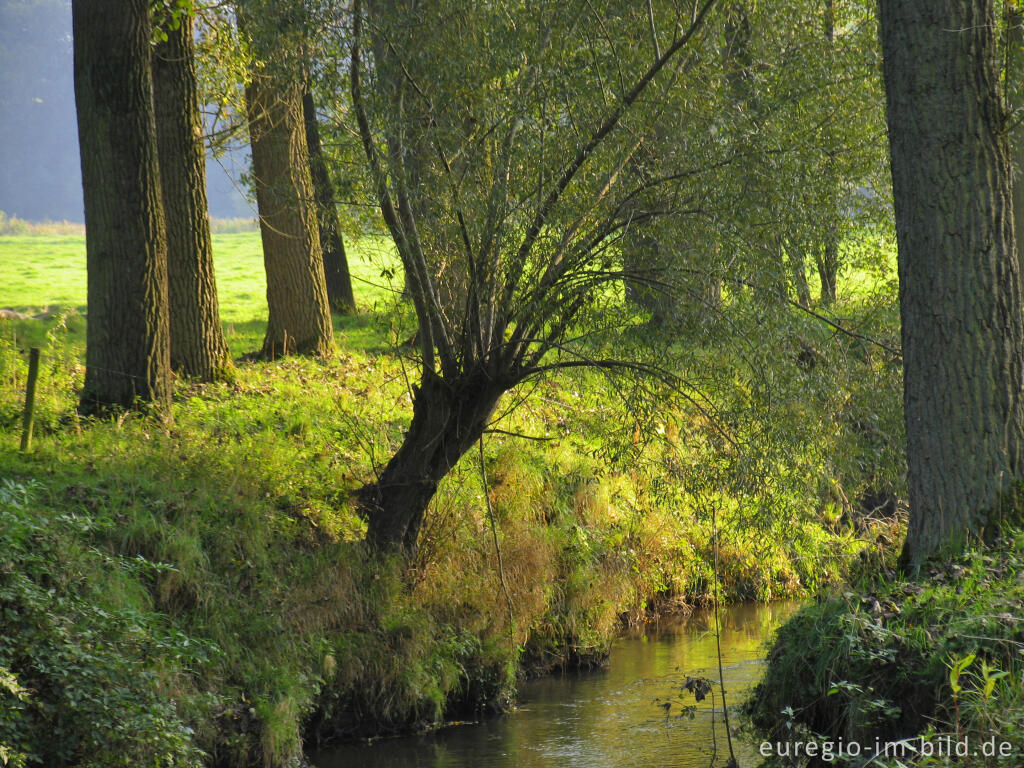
46,274
40,272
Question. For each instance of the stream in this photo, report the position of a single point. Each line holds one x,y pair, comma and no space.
612,718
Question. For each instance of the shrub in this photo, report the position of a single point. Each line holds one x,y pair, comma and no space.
83,682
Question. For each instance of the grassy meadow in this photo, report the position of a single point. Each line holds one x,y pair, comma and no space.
242,614
45,274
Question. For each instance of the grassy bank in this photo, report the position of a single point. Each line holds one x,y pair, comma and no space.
196,592
926,664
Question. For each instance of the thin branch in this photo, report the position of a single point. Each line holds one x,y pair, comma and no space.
497,548
584,153
493,431
897,353
654,31
647,369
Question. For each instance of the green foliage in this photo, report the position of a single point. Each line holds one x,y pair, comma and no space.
86,677
906,661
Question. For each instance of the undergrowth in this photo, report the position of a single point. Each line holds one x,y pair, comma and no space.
921,666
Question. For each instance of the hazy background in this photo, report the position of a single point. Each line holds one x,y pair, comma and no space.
40,175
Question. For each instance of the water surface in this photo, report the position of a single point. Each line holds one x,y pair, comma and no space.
611,718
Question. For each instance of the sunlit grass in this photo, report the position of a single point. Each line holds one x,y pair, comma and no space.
46,274
249,495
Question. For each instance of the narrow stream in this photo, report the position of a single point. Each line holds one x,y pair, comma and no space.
605,719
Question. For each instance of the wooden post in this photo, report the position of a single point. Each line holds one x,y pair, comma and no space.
30,398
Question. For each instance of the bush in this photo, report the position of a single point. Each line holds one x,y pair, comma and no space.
905,661
83,681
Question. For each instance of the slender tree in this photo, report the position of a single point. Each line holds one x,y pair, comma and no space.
827,255
339,281
960,284
198,348
128,344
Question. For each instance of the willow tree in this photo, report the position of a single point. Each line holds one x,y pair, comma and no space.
960,283
127,355
523,129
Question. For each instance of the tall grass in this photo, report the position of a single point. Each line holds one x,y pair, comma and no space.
12,225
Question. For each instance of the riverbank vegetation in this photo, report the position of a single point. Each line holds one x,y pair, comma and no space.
930,667
221,551
558,318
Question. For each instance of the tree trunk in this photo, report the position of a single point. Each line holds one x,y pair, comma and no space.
1014,79
300,319
654,285
339,282
960,286
198,348
798,272
771,284
828,256
127,349
828,268
445,424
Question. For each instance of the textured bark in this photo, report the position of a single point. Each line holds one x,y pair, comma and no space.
339,281
128,349
1014,79
960,287
446,423
300,319
198,348
828,256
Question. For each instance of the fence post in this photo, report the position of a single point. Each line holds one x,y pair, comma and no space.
30,399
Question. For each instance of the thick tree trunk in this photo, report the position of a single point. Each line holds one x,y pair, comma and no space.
1014,79
127,349
339,281
198,348
960,286
445,424
300,319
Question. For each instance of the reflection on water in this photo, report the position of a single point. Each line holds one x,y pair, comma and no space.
605,719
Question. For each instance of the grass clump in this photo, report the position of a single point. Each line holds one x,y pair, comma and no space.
927,663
